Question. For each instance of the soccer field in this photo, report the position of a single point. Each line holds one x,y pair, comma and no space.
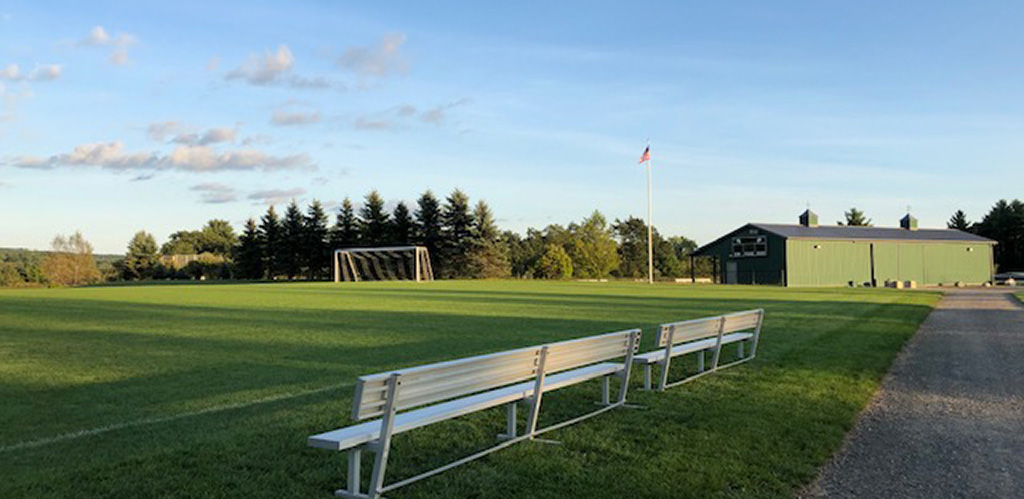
211,390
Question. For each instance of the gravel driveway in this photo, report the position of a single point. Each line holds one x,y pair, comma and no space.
949,418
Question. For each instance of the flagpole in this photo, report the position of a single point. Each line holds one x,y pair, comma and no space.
650,225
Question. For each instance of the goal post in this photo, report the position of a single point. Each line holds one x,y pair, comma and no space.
389,263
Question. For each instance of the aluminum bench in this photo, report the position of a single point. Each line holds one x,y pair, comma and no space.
700,336
403,400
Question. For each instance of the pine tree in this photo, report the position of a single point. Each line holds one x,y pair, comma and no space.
855,218
270,242
317,253
345,233
959,221
457,231
488,258
428,228
141,260
402,226
375,230
292,241
249,255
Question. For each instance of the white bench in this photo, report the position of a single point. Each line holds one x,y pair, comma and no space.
699,336
412,398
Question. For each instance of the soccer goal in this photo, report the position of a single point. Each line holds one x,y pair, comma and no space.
394,263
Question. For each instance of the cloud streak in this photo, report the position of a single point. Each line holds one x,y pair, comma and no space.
276,196
379,60
286,118
196,159
215,193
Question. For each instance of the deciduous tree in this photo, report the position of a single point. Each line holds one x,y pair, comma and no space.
71,262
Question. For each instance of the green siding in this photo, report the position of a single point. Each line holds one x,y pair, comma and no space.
933,263
926,263
828,263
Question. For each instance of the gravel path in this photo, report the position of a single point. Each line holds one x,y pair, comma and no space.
949,418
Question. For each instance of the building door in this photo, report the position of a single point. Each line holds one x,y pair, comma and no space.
730,273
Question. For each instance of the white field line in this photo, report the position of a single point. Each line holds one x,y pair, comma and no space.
64,437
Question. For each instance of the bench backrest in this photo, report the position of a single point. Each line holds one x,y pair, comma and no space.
432,383
709,327
591,350
742,321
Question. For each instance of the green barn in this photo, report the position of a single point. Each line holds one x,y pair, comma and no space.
811,255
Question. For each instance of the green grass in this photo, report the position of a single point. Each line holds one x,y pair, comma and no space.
210,391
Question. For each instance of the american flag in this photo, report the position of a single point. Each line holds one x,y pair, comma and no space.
646,156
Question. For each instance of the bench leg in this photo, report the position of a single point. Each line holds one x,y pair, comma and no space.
606,391
354,457
647,376
510,423
700,361
739,351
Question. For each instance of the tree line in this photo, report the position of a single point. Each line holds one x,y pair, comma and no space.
1003,223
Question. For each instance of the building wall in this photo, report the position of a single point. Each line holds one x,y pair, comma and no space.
837,263
933,263
828,263
768,269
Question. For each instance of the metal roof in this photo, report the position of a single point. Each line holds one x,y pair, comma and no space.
871,233
845,232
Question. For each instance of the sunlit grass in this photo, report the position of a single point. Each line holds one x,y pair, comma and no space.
80,359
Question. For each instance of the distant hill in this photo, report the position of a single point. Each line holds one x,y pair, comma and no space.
7,254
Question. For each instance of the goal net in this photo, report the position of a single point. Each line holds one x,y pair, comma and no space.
394,263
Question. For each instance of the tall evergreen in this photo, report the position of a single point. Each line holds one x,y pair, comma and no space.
402,225
488,257
292,241
140,261
959,221
270,242
345,233
428,228
317,252
457,233
1005,223
375,230
249,255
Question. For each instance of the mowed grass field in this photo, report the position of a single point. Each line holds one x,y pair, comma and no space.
211,390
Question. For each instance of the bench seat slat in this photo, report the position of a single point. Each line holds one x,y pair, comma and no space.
684,348
351,436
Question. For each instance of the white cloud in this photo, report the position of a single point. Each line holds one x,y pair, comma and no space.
159,131
284,118
11,72
119,57
211,136
112,156
98,37
215,193
46,72
275,68
265,69
378,60
213,64
276,196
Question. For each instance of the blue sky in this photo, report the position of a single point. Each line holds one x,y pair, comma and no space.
123,116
